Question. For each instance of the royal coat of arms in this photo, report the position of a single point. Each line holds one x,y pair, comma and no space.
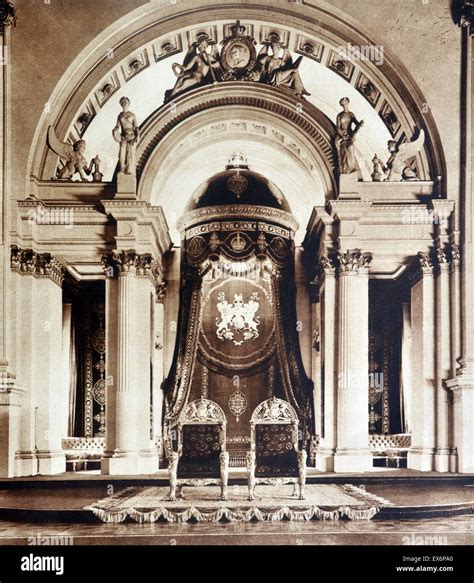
238,322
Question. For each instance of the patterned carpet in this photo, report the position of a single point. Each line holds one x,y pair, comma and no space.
274,503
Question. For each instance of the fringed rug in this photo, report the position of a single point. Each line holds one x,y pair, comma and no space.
202,504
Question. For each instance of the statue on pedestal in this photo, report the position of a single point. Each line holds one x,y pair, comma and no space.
397,166
72,155
347,127
126,134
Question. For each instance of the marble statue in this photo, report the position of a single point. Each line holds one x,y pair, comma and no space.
397,167
347,127
126,134
278,67
72,155
200,63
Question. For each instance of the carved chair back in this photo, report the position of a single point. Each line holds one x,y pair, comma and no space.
201,436
274,438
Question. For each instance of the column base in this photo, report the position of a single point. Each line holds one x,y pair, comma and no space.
325,459
421,459
441,460
462,388
126,186
353,460
26,463
120,463
51,462
148,462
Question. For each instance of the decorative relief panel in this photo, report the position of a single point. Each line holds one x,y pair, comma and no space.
309,48
368,89
390,118
267,31
210,31
168,47
135,64
108,87
84,118
340,66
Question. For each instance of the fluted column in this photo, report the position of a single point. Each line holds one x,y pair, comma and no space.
158,361
443,361
420,456
9,387
352,453
462,385
328,427
129,336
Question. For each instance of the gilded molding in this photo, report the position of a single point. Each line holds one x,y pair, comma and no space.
27,261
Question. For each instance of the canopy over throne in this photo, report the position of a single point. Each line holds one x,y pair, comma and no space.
237,341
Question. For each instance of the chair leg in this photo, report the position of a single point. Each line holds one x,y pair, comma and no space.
172,473
251,474
224,466
301,472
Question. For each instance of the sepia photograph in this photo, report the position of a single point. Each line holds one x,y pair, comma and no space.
236,289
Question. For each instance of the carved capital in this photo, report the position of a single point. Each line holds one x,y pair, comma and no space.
442,260
425,263
161,289
466,19
27,261
131,263
325,268
455,254
354,262
7,13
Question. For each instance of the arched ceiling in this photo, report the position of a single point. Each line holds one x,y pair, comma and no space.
134,57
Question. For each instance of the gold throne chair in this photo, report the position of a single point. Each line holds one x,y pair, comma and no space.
274,456
200,457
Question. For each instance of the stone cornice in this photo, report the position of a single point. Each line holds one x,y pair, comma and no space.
29,262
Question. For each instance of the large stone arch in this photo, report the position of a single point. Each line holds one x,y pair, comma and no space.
290,145
315,20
